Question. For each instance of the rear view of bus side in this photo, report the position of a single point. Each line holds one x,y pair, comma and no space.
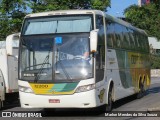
80,59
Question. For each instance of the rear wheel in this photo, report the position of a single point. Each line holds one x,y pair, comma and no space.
141,92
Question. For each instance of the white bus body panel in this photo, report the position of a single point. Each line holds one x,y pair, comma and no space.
77,100
89,99
113,74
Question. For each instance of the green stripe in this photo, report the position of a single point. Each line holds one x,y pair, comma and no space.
63,87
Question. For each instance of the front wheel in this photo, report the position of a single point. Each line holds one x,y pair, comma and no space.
108,107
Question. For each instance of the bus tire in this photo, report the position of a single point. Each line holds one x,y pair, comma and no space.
0,104
141,92
108,107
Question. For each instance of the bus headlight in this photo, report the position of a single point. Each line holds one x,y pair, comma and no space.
85,88
25,89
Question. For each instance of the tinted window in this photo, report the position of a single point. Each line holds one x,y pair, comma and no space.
100,57
126,41
132,41
110,33
117,42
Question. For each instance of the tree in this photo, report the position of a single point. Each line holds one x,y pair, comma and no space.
155,64
12,13
146,17
48,5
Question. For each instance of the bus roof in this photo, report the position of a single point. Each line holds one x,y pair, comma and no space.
65,12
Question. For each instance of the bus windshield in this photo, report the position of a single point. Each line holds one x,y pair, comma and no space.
58,57
57,24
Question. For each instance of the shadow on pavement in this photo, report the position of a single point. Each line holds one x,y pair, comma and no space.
72,113
124,101
153,90
11,104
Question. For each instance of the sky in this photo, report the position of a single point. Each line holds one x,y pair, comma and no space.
118,6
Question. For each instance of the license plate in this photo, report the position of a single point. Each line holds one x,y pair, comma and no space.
54,101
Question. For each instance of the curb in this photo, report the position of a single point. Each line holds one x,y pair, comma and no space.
153,109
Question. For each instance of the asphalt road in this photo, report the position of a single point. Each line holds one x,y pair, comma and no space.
144,106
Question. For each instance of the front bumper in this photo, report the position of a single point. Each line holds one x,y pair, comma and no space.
76,100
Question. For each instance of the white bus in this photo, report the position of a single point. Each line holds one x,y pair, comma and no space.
9,68
80,59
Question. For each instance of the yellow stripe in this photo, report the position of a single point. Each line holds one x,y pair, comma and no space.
46,89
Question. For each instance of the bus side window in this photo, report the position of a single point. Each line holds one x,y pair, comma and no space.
100,63
131,38
100,26
109,40
99,22
117,41
109,33
126,40
100,57
141,42
121,35
146,43
136,41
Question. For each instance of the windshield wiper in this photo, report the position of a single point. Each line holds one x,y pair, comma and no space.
46,60
41,69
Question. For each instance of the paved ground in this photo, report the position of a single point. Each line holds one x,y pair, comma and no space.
144,106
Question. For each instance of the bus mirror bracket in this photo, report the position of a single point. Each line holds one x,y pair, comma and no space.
93,40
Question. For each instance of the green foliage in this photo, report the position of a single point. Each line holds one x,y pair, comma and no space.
155,62
100,4
48,5
4,28
146,17
12,13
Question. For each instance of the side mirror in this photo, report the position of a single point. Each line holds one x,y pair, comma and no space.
93,40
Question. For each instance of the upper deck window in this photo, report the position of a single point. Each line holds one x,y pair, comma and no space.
57,24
